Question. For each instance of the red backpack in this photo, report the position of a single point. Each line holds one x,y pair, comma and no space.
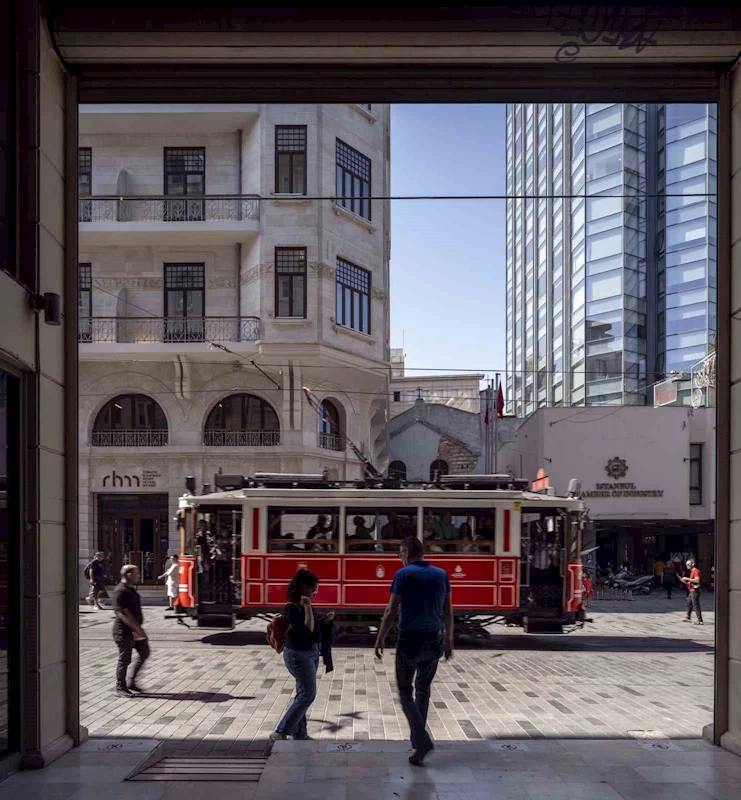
277,630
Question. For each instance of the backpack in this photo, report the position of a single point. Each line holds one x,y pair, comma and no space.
277,630
87,571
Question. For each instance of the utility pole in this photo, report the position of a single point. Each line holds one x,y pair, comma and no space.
496,425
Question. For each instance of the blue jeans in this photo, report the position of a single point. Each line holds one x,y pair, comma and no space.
417,657
302,664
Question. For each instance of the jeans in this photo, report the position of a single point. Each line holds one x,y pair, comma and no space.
693,604
416,663
302,664
126,645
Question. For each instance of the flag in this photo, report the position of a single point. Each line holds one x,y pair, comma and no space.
500,401
486,415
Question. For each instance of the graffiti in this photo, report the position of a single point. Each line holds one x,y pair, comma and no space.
611,26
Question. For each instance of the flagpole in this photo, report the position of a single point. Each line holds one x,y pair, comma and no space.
496,424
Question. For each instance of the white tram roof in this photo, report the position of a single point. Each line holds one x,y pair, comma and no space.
352,496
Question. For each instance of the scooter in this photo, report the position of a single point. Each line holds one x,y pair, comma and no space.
642,585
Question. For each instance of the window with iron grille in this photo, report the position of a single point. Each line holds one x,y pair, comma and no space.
290,159
84,301
185,177
353,296
290,281
185,289
695,474
353,180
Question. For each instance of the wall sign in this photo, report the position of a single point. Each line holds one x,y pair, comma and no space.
134,479
617,468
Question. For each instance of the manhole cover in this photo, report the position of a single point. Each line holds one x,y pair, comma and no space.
343,747
660,746
202,768
509,747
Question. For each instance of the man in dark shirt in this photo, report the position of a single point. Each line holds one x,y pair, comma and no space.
96,576
128,633
425,633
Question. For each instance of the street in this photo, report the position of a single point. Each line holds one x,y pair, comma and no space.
638,669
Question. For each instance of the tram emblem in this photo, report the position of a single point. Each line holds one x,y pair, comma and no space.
380,571
458,572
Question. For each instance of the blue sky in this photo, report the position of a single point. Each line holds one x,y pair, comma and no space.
448,257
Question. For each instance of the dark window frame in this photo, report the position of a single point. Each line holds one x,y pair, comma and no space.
351,163
178,328
84,170
290,153
265,405
85,289
288,270
346,317
107,426
438,468
695,460
187,206
397,470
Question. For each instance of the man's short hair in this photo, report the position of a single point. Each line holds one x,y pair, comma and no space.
413,546
128,569
99,553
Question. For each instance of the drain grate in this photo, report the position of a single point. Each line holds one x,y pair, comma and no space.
203,768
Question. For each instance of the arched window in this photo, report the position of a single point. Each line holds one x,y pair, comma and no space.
130,420
438,468
330,433
242,420
397,471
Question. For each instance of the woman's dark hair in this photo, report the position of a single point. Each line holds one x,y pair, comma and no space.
465,531
303,579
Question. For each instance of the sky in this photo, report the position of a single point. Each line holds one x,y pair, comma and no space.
448,260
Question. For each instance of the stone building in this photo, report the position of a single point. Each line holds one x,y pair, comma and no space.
214,286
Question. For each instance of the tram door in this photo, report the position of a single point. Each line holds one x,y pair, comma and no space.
543,560
219,552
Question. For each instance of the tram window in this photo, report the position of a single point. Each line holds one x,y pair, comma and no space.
302,530
370,530
459,530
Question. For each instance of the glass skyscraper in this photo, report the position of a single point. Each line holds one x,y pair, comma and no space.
610,293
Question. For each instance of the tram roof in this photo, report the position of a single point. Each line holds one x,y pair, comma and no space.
376,497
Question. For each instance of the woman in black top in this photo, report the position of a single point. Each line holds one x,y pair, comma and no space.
301,653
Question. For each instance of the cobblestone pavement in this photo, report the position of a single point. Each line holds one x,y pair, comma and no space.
638,667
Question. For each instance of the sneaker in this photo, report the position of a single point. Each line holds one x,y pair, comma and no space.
699,623
687,620
100,607
277,736
418,756
134,688
305,738
89,600
122,691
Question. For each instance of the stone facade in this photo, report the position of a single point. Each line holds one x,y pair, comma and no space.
190,378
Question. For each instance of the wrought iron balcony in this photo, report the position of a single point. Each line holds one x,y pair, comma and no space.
225,208
136,438
216,438
332,441
163,330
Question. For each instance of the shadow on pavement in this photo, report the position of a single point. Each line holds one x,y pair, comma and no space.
574,642
200,697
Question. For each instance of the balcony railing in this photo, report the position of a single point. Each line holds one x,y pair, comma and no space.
241,438
158,330
169,209
141,438
332,441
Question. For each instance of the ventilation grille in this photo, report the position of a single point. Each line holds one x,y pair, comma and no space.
203,768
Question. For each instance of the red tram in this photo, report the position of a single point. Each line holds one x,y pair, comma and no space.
511,553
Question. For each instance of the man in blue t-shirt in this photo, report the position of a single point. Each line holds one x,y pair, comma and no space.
425,633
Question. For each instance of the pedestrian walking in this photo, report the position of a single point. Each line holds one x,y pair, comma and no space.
659,565
95,573
693,592
669,579
172,579
128,633
301,653
425,633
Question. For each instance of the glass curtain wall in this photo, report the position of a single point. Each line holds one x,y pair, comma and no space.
581,270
